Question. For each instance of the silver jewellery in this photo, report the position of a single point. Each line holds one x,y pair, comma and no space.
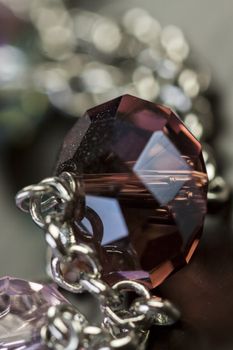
130,181
132,185
50,204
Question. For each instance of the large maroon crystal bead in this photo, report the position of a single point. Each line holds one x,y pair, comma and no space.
145,177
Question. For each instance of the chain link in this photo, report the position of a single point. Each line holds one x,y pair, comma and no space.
52,204
64,328
68,329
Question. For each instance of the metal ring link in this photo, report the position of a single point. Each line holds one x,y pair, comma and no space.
76,185
70,180
219,190
87,252
136,338
61,187
125,318
67,328
44,187
105,294
57,190
96,226
157,311
59,236
24,196
64,328
128,342
99,339
75,252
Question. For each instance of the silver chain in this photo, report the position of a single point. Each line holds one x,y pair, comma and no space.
52,204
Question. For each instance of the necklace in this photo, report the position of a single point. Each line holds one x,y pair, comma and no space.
125,210
126,158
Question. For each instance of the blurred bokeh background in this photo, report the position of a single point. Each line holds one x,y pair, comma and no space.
58,58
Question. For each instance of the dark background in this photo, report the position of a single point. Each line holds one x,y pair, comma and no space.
204,289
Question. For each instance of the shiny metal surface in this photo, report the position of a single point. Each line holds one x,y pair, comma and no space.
208,26
203,37
121,327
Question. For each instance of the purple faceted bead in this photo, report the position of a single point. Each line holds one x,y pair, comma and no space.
23,309
144,175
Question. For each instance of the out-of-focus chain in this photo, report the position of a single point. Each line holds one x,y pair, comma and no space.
88,58
53,204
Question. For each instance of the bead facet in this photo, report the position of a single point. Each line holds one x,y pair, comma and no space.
23,310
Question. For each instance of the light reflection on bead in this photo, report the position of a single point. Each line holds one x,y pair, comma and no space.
174,96
74,65
50,17
52,79
145,28
106,35
96,79
87,58
188,80
209,161
194,125
204,78
83,24
130,48
202,108
167,69
58,42
174,43
145,83
13,65
130,18
150,57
